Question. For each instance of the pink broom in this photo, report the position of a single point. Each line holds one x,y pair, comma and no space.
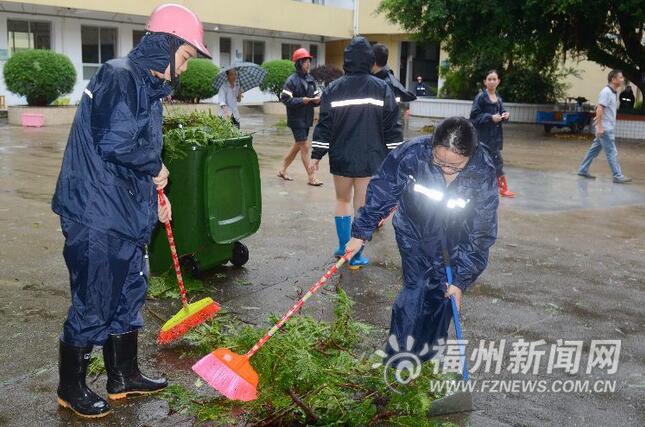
232,374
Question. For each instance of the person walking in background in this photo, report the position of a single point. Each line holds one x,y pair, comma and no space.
420,88
627,99
106,197
358,126
487,114
229,95
300,94
605,122
383,72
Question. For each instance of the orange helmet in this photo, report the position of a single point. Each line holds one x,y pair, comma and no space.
301,53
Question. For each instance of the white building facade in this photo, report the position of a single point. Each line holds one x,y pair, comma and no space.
89,38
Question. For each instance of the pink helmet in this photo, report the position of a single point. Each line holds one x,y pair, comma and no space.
181,22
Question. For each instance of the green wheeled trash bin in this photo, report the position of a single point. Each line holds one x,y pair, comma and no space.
216,201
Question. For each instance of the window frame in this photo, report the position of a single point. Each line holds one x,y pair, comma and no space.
253,51
11,45
229,53
144,31
292,48
84,64
314,61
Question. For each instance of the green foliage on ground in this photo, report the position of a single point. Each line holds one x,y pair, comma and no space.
281,124
311,373
165,285
182,131
39,75
196,83
96,366
278,71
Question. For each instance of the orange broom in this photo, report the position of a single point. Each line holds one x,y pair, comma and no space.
191,315
232,374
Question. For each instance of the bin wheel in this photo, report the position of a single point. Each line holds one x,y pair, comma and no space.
547,128
189,265
240,254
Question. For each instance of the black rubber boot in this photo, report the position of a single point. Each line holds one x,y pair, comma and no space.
73,393
124,377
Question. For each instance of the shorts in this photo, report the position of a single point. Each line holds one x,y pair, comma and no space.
300,134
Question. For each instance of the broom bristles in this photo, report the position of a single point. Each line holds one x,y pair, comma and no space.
181,326
225,371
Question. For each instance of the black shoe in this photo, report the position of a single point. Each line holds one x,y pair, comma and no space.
586,175
124,377
622,180
73,393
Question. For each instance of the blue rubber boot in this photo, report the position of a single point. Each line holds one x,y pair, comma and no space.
358,261
343,230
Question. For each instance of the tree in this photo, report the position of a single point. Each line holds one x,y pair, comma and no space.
534,34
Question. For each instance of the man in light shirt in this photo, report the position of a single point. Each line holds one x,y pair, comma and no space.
229,95
605,122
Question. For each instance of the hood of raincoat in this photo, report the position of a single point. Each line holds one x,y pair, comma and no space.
153,53
358,56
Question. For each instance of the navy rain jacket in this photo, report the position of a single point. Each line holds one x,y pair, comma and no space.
114,147
359,117
400,92
420,224
298,86
481,115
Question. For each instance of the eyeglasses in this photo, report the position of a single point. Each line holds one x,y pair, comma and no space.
445,167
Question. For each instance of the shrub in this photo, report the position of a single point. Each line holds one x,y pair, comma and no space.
197,81
278,71
39,75
520,83
325,74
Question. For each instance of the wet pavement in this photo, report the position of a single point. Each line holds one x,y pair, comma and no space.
568,264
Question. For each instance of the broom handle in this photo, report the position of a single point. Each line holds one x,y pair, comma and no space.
319,284
173,253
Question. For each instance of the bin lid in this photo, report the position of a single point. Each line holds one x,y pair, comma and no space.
232,192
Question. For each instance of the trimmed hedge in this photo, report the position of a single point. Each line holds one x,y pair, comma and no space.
278,71
196,82
42,76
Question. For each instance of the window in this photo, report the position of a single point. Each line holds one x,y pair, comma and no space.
98,45
137,35
224,51
23,35
254,51
288,49
313,50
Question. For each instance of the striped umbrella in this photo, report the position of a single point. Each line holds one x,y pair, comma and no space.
249,75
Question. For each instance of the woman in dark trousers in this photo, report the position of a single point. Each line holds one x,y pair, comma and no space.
106,197
358,126
444,186
300,95
487,115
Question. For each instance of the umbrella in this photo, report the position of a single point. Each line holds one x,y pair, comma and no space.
249,75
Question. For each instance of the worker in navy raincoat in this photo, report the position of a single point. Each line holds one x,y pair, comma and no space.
446,191
107,201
